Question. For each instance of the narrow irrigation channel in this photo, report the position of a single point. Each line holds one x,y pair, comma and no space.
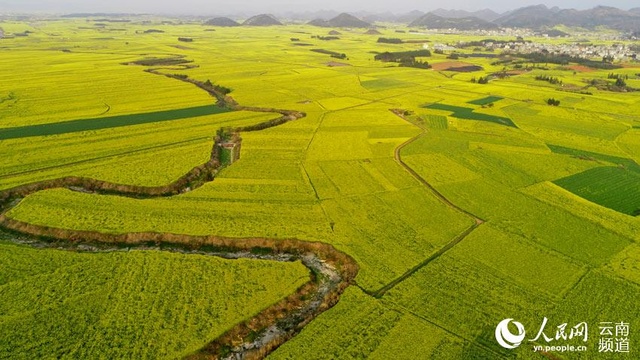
331,271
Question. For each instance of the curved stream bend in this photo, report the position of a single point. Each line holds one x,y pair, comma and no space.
332,271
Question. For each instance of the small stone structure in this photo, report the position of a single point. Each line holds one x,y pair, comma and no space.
228,146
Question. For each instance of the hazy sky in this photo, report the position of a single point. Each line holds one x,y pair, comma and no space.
210,7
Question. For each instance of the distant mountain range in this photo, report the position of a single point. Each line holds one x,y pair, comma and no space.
258,20
532,17
486,14
433,21
343,20
262,20
409,17
540,16
537,17
222,21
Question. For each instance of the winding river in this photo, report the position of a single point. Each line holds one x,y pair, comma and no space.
331,270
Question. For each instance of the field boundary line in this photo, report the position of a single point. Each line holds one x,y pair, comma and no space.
477,220
382,291
403,310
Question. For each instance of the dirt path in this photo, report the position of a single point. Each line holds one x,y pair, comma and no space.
477,220
332,271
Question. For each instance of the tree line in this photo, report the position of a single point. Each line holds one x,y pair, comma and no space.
549,79
564,59
406,58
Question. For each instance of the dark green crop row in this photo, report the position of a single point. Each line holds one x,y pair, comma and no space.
107,122
485,101
469,114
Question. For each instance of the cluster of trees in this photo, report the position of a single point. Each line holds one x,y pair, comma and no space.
399,55
390,40
219,88
412,62
529,67
333,54
549,79
484,42
325,37
184,39
480,80
406,58
607,59
620,85
553,102
564,59
617,76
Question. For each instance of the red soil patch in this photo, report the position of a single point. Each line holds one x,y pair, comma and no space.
450,64
580,68
336,64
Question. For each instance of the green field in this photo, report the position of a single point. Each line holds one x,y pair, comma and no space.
466,203
65,127
616,188
612,187
149,304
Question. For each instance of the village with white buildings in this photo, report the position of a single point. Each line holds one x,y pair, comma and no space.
584,45
616,52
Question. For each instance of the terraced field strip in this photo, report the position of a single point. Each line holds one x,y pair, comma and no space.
485,101
333,271
111,156
478,221
72,126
